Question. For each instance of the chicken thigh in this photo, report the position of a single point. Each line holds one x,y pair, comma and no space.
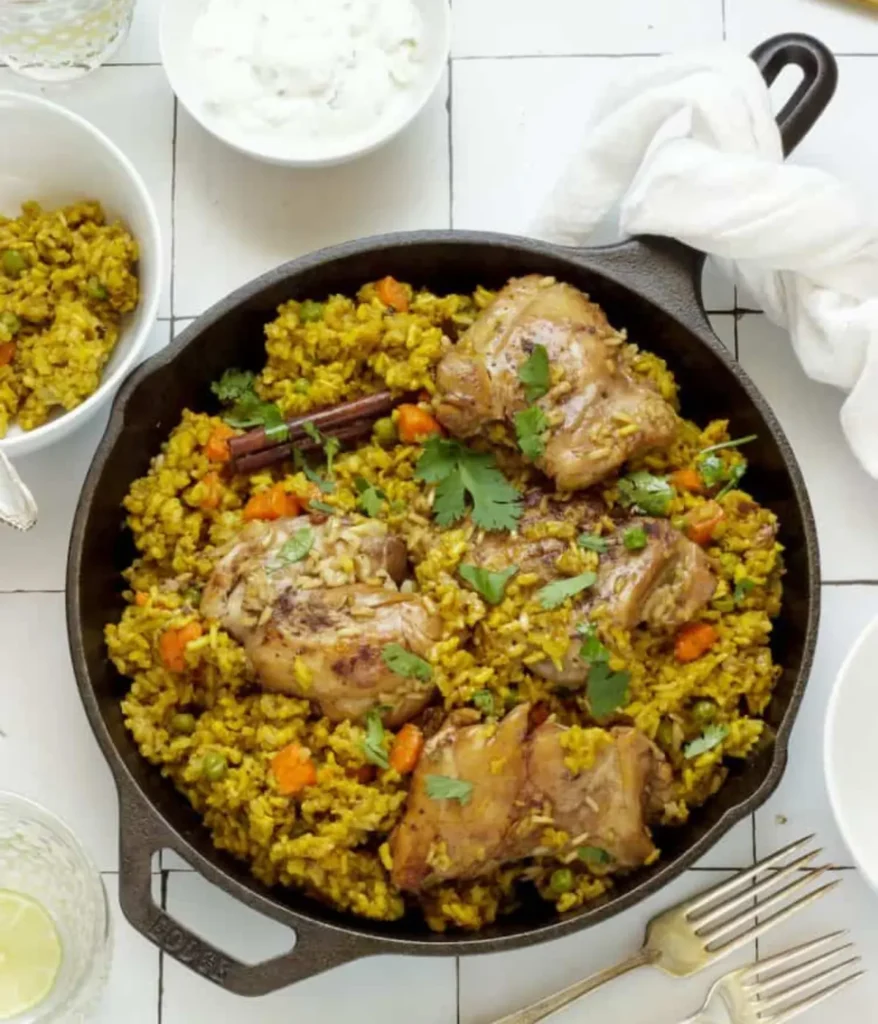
600,413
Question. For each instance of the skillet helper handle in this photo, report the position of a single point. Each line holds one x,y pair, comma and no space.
317,948
820,77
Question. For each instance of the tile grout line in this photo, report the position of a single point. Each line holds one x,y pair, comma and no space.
173,268
457,985
723,10
161,979
450,111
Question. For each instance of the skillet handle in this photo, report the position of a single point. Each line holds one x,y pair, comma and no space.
811,98
318,947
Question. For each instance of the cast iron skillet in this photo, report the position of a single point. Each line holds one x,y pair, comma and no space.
651,287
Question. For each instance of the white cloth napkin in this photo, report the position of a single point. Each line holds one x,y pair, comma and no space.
688,147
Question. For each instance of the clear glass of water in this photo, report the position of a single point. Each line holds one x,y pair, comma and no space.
40,858
59,40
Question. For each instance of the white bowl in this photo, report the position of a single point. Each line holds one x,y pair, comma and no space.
848,750
175,34
55,157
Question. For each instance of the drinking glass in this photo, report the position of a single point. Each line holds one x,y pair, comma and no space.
59,40
41,858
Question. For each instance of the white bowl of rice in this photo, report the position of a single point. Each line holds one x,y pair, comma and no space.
55,158
305,83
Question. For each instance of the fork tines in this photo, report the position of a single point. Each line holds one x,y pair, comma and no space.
719,914
784,991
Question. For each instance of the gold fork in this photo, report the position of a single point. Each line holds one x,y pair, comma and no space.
697,933
775,991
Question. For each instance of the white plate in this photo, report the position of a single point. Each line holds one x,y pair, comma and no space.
850,746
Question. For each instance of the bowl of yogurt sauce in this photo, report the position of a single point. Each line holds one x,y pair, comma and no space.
305,83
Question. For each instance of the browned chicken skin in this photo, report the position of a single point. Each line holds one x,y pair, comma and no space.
325,642
601,415
520,787
662,585
327,645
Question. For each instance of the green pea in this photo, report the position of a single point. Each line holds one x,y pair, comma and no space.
384,432
704,711
192,596
302,386
11,322
561,881
14,264
183,723
95,289
214,766
667,735
310,311
724,604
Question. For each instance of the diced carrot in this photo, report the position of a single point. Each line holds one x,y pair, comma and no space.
693,640
7,351
141,599
687,480
217,447
392,293
211,492
293,769
274,503
701,523
173,644
406,748
415,424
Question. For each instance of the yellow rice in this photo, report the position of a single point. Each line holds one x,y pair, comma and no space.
332,840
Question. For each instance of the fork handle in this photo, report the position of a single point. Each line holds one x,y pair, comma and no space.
551,1004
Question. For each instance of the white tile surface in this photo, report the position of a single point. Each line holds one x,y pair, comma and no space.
800,806
842,494
47,750
565,26
37,560
844,26
132,993
515,119
493,985
374,991
236,218
134,108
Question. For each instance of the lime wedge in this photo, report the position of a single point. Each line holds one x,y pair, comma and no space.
30,953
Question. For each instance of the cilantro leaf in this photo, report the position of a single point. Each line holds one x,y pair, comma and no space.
326,486
373,745
553,595
530,426
592,649
459,471
370,497
734,477
321,506
592,542
646,493
233,385
742,589
712,736
404,663
736,443
634,538
295,549
443,787
607,691
330,445
711,469
491,585
484,701
593,855
534,373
